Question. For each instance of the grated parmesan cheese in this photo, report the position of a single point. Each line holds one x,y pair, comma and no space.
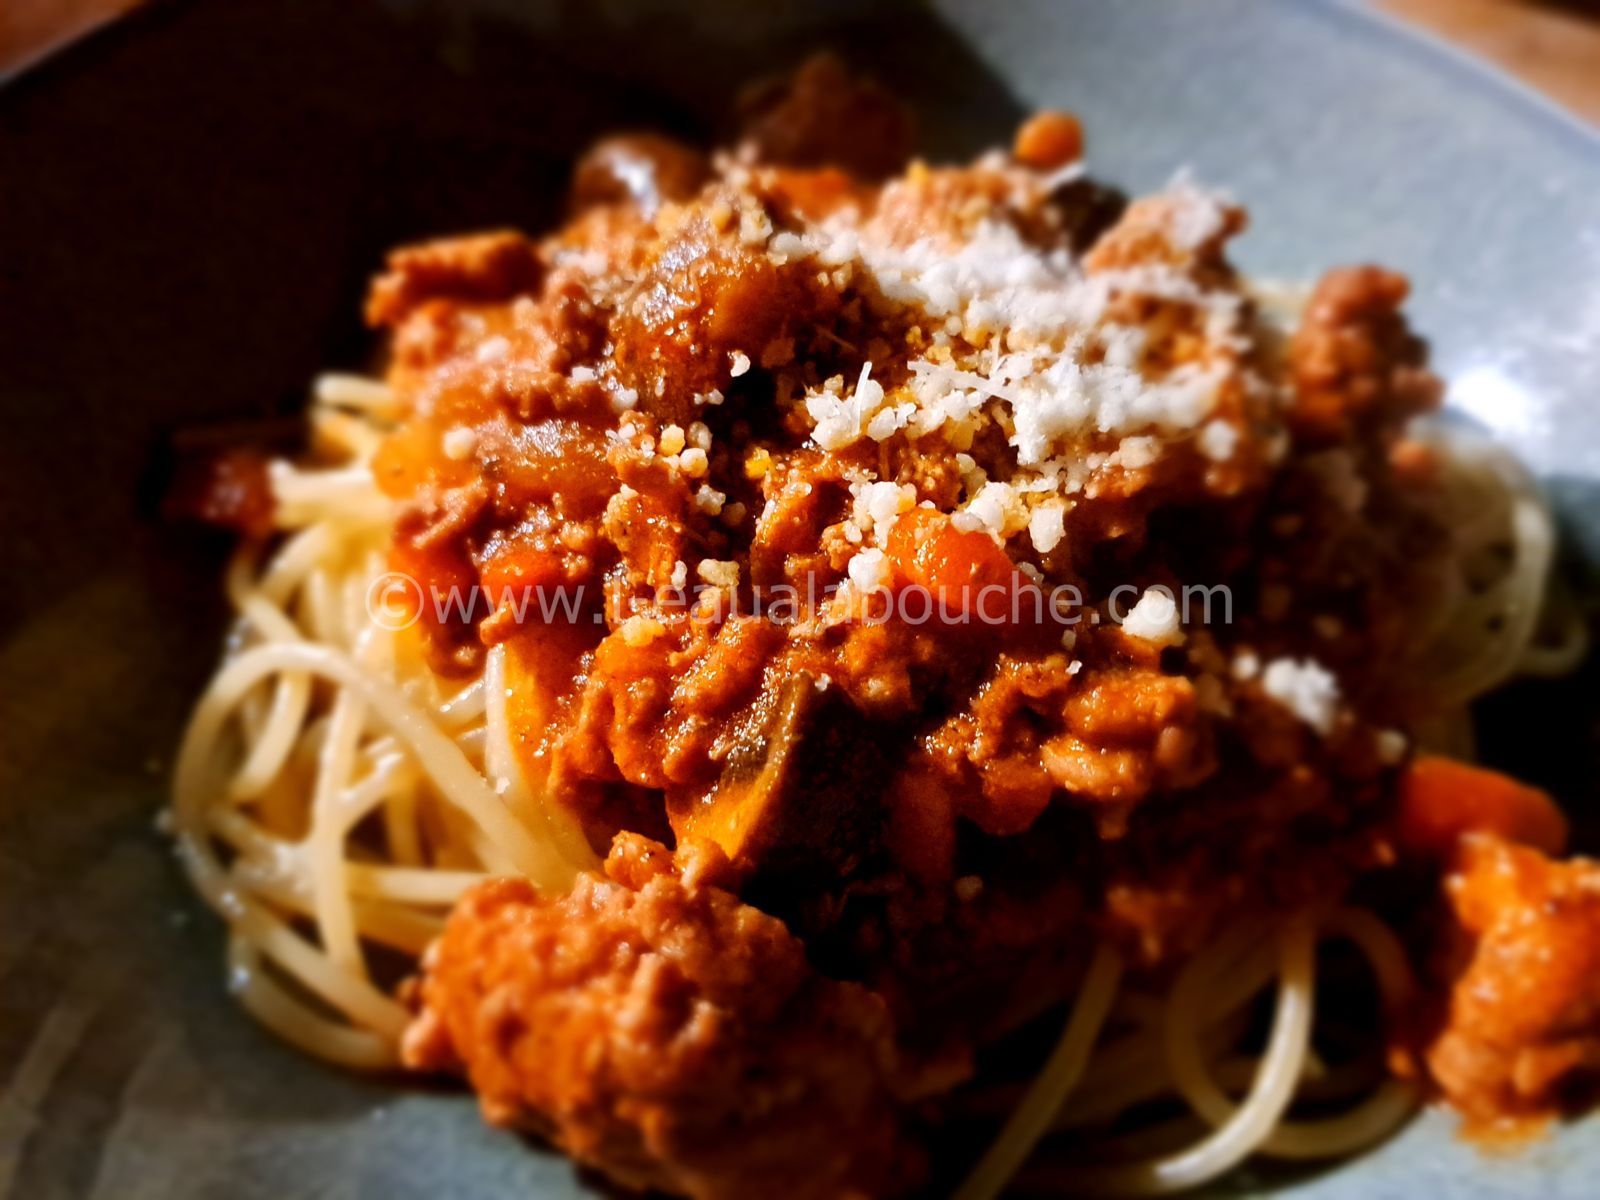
1305,688
1193,215
1155,618
879,504
1217,440
1030,341
1391,746
718,574
1134,453
869,570
1047,525
459,442
492,349
710,501
843,419
641,631
755,227
993,510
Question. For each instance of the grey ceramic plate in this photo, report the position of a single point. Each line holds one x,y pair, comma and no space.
189,205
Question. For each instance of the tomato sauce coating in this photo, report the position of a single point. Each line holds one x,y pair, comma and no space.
728,408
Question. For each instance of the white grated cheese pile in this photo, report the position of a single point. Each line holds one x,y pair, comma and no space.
1305,688
1155,618
1069,359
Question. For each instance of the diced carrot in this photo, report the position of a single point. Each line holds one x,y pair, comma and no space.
963,570
1441,801
1048,140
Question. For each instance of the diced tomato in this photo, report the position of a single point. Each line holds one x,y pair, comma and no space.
1441,801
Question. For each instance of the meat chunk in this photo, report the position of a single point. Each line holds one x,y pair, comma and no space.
822,117
487,266
1172,228
1353,360
1523,1024
651,1024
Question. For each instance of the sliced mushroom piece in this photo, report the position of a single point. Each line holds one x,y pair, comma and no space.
801,790
642,169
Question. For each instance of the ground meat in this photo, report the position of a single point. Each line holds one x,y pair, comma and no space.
489,266
1154,229
651,1024
1353,360
1522,1030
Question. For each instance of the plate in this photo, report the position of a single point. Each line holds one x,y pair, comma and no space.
193,201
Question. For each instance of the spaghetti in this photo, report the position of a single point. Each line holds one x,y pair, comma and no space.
323,720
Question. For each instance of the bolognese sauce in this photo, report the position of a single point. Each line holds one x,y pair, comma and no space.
908,579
